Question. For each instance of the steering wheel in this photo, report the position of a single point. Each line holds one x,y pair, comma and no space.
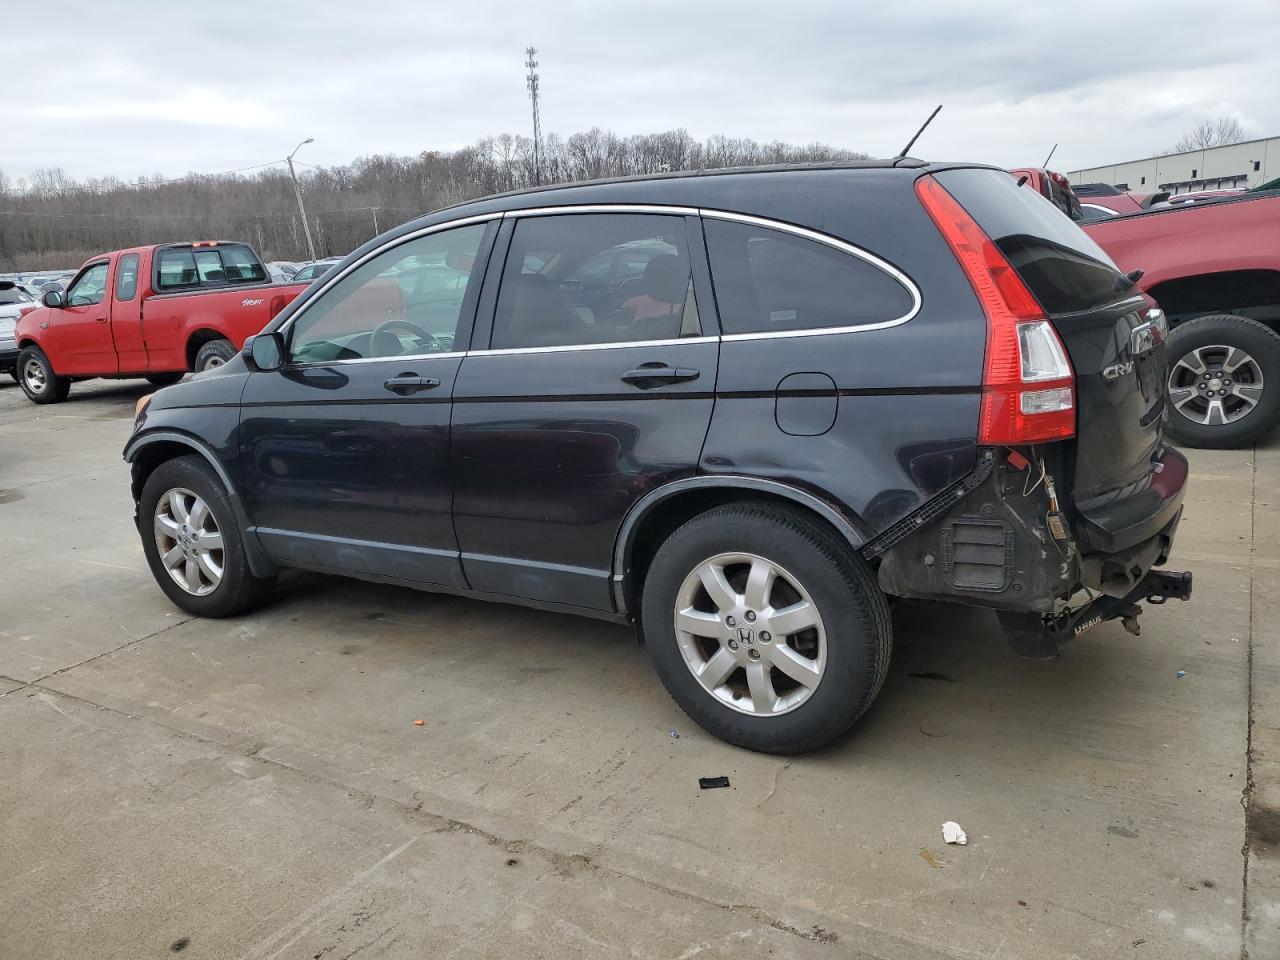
396,347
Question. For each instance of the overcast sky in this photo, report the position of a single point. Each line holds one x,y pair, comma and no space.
145,87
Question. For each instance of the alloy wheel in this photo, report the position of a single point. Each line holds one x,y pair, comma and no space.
34,375
750,634
189,541
211,362
1215,385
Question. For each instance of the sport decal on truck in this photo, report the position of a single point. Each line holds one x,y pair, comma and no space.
251,303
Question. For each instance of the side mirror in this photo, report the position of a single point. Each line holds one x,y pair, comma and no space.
265,352
51,298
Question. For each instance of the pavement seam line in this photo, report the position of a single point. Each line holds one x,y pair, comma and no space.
440,823
1246,796
107,653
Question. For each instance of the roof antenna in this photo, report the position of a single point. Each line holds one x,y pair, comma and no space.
911,143
1045,165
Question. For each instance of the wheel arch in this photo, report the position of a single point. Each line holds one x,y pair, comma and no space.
657,514
1220,292
199,338
147,451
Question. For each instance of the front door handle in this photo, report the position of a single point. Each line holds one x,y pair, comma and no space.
409,383
649,375
102,319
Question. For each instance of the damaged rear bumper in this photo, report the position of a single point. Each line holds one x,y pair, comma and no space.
995,540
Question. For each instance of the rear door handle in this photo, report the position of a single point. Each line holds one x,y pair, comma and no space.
654,375
408,383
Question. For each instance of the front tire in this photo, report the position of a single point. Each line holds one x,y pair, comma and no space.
214,354
766,628
38,381
164,379
1224,382
193,543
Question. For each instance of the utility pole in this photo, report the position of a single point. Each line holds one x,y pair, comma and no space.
297,192
531,82
375,221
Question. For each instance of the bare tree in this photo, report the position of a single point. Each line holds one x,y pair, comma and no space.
1210,133
52,221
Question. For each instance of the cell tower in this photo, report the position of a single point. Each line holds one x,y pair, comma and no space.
531,81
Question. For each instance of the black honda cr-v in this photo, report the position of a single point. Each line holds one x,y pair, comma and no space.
739,410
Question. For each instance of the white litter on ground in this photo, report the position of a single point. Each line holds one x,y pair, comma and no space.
952,832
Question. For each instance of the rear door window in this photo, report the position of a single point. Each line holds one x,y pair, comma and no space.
768,280
1062,265
584,279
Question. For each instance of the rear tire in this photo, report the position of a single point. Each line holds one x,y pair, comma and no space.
38,381
830,671
1212,409
216,582
214,354
164,379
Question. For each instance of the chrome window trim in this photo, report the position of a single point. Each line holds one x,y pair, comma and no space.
338,275
661,209
668,209
398,358
576,347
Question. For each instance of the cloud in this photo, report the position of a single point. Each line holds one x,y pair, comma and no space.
151,87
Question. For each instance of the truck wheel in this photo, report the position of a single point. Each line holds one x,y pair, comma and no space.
192,541
214,354
164,379
39,382
1224,381
765,627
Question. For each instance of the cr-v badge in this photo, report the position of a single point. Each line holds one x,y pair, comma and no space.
1117,370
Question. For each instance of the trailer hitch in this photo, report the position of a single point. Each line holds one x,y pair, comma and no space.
1041,638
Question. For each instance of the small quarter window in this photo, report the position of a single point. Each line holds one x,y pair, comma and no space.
127,277
404,302
580,279
770,281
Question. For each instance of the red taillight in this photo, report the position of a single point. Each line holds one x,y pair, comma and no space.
1028,386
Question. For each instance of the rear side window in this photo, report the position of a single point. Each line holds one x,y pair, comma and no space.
127,277
179,267
770,281
1061,264
578,279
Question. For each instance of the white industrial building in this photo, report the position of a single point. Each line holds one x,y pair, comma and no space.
1217,168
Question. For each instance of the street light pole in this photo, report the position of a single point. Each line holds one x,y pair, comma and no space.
297,192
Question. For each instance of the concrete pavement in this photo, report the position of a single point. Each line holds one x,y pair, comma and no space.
257,788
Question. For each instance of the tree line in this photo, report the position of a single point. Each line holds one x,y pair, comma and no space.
51,221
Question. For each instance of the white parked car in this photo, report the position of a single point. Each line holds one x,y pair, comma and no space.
14,302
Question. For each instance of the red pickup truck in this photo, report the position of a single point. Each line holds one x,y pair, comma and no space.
1215,270
155,312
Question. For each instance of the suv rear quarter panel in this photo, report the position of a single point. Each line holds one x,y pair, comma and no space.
906,397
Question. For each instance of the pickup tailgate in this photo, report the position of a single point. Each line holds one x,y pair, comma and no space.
1115,341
